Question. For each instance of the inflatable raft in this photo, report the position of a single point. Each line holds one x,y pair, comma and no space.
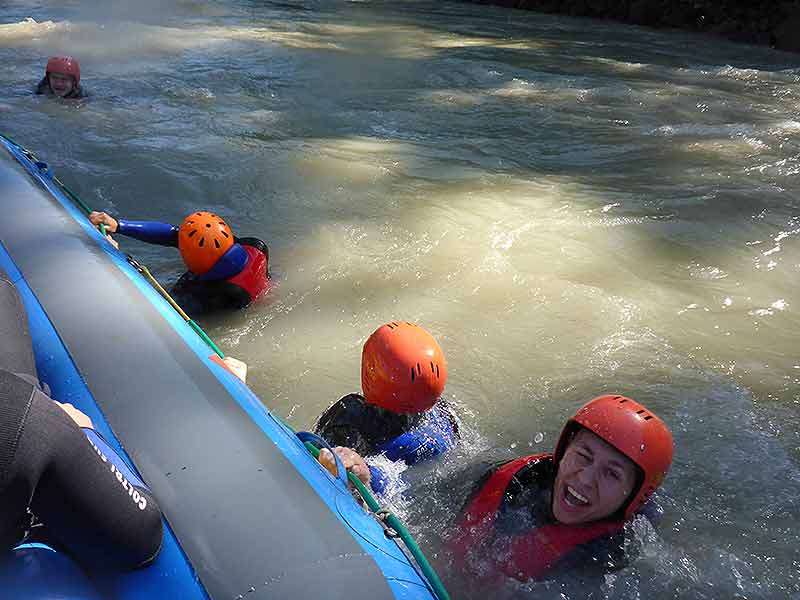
249,513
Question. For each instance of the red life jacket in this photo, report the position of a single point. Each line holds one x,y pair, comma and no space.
533,553
253,278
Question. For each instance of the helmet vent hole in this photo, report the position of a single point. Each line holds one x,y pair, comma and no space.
623,401
419,369
437,371
200,243
413,375
192,232
432,369
225,233
208,225
216,242
395,324
638,412
390,325
648,417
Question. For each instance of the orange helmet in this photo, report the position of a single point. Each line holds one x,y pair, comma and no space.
402,368
633,430
202,239
66,65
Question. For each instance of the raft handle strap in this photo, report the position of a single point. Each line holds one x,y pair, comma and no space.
383,515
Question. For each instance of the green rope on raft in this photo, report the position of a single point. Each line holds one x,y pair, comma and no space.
392,521
154,282
385,515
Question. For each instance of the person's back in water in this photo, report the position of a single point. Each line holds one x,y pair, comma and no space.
223,272
400,415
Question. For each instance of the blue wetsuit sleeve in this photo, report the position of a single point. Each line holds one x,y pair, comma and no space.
151,232
379,479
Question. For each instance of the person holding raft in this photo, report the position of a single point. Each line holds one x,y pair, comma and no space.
62,78
224,272
400,415
534,515
60,481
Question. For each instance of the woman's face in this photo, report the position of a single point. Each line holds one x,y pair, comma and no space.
62,85
593,480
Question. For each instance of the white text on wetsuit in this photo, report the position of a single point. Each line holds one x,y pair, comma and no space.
137,498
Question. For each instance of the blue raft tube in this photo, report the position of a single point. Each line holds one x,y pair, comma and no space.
249,514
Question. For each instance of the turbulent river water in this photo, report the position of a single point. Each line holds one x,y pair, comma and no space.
570,206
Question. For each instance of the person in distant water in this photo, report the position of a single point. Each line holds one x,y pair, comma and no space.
530,517
400,415
224,272
60,481
62,78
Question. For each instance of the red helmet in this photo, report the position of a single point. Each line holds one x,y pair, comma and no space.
202,239
633,430
402,368
66,65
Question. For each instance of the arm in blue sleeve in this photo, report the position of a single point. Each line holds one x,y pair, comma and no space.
379,479
151,232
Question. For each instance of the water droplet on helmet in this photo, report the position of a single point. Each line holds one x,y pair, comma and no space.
641,447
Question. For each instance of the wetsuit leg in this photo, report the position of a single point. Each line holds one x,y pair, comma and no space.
48,464
16,353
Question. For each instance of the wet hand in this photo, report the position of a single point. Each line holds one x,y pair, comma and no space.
98,218
351,459
237,367
81,419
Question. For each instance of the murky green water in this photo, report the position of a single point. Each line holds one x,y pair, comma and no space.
571,207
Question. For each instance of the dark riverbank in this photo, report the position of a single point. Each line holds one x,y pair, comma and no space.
764,22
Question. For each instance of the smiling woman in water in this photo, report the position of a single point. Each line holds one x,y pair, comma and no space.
539,512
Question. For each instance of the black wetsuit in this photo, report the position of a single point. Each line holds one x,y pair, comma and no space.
51,475
354,423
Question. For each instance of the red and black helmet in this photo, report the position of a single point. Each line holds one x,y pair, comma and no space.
402,368
633,430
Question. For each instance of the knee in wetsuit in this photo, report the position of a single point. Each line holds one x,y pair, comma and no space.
87,508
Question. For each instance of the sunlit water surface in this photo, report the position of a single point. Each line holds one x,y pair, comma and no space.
570,206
